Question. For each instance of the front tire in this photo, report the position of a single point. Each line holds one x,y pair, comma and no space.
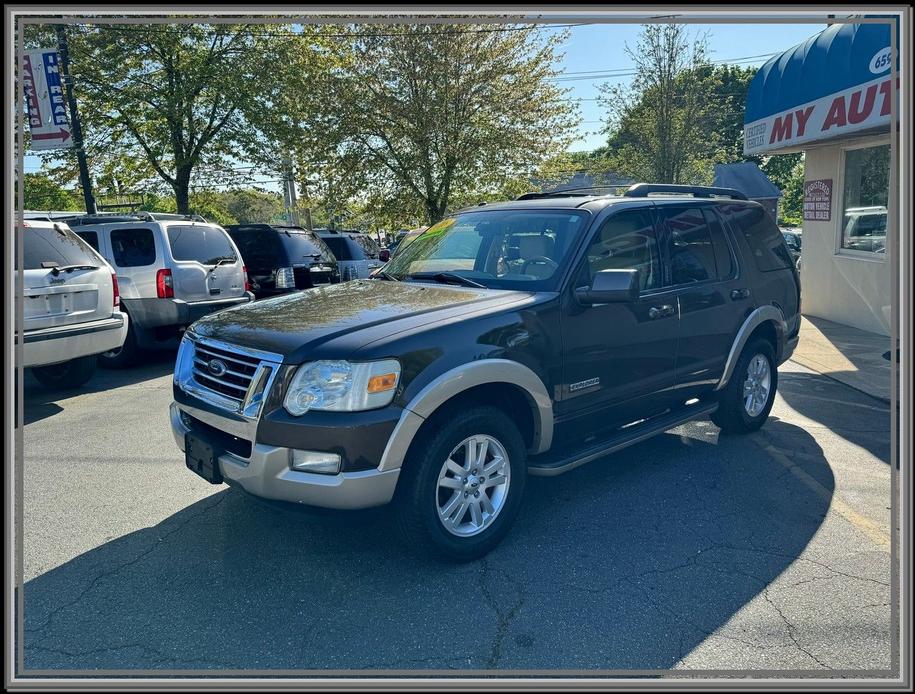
461,486
69,374
747,399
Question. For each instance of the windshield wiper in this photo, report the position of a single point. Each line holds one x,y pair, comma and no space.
448,277
220,260
384,274
57,269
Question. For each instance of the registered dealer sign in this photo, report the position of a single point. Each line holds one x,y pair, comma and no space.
818,200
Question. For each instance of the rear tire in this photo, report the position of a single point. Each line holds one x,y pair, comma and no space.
747,399
446,507
125,356
69,374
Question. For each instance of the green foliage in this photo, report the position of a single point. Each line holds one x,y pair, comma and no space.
177,103
787,172
44,193
432,114
681,114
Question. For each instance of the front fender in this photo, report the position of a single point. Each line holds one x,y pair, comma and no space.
457,380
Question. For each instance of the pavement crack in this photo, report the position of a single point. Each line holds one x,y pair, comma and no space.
505,617
111,572
790,629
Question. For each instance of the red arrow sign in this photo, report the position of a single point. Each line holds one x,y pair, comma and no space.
62,135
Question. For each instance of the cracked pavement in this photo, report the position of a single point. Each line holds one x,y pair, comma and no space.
689,551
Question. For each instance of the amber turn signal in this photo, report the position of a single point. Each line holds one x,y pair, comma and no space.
379,384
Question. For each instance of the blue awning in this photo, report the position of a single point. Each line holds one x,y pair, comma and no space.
809,77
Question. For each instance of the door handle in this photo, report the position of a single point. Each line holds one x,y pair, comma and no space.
661,311
737,294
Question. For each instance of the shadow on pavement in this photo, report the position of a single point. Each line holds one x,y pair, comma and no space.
857,418
41,402
629,562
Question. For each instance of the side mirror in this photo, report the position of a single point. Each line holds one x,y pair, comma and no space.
611,286
384,255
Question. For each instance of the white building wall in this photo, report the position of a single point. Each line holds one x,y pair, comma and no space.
838,284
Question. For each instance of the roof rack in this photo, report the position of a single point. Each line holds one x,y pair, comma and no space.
142,216
566,193
643,190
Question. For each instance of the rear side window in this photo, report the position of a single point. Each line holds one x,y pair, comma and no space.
692,256
723,258
767,245
207,245
45,245
344,248
90,237
133,247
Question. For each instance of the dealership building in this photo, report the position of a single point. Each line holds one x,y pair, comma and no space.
831,97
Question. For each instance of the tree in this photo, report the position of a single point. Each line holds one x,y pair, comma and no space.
43,193
183,99
655,126
251,206
433,112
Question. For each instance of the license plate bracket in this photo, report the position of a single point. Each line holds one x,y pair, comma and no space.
202,457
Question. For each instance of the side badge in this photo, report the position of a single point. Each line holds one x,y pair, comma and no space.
581,385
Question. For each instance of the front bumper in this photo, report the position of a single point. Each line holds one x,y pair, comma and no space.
56,345
265,472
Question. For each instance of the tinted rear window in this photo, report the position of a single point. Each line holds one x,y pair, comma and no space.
369,247
43,245
259,248
343,248
305,247
201,243
133,247
90,237
767,245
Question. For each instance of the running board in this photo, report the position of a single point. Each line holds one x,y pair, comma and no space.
551,465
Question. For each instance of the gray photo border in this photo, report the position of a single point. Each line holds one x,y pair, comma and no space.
898,677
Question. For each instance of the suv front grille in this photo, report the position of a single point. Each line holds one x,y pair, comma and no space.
231,372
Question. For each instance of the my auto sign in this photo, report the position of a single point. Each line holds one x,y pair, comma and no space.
859,108
44,100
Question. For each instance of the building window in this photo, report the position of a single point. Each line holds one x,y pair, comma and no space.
865,197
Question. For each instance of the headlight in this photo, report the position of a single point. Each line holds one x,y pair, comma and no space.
342,386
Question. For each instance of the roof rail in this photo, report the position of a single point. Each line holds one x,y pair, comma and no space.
568,193
643,190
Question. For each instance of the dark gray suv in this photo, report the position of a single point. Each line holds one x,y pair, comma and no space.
523,337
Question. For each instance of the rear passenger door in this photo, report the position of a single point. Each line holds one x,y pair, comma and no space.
713,300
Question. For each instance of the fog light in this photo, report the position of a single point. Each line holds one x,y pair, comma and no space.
315,461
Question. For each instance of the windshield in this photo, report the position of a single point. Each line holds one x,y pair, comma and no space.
501,249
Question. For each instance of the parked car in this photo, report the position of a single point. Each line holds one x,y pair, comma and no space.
356,253
865,229
171,272
71,307
574,326
793,238
282,259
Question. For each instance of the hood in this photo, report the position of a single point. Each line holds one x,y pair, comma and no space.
294,324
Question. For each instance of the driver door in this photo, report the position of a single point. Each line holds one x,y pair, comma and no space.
619,359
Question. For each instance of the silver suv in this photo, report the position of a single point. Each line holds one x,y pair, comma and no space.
171,272
71,308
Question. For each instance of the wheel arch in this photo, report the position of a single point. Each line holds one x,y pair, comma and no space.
767,322
497,381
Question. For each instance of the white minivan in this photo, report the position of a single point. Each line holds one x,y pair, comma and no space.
170,271
71,307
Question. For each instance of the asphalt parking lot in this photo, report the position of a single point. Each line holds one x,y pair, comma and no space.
689,551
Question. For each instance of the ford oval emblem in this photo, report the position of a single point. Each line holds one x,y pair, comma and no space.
217,367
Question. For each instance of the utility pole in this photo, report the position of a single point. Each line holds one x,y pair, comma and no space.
75,123
292,212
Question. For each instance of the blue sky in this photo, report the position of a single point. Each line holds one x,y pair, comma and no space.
601,47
